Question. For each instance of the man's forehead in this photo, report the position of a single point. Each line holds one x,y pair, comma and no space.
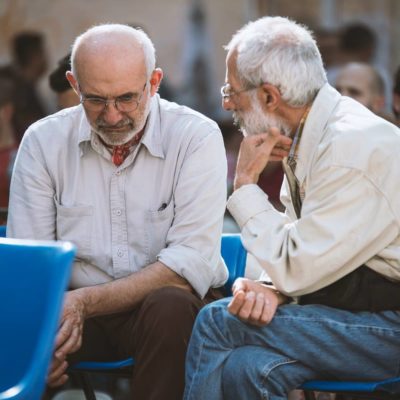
231,75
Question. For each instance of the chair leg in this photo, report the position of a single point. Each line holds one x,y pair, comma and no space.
87,386
309,395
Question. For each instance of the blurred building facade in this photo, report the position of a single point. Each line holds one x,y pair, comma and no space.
168,24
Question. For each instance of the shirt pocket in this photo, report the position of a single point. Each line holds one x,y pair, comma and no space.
74,223
159,224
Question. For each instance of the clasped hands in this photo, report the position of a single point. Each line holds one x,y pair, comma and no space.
254,302
255,153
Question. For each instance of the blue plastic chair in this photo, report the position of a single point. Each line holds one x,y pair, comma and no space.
33,278
234,255
384,390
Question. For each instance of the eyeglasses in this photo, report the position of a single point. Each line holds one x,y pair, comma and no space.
227,92
125,103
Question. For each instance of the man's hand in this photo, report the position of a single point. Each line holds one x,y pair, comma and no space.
256,151
69,336
254,302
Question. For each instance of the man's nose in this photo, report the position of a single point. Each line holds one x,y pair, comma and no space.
227,104
111,114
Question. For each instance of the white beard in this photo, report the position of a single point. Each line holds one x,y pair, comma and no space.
119,138
256,121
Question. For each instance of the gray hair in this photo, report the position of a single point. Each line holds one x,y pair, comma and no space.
141,37
283,53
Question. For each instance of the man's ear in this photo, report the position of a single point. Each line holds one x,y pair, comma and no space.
155,80
73,82
270,97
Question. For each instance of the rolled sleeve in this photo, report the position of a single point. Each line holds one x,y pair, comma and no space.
194,239
246,202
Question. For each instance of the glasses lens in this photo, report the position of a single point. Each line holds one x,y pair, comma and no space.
94,104
127,105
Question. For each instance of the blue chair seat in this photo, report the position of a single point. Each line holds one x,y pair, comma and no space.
385,389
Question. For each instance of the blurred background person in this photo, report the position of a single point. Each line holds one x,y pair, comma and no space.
357,43
66,96
7,142
29,63
363,83
396,96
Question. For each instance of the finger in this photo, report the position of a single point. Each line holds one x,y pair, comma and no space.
266,315
62,380
55,363
258,307
239,285
57,374
278,152
247,307
274,133
237,302
72,344
63,334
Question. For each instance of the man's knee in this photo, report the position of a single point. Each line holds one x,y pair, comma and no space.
169,310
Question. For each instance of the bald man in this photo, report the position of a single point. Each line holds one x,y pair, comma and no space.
363,83
138,184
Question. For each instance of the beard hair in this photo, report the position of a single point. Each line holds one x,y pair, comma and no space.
119,138
256,120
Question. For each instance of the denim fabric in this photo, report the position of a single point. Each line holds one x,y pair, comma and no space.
229,359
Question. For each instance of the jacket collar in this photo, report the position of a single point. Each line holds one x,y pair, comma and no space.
315,127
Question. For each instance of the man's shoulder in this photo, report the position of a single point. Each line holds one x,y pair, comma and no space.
357,136
176,114
352,122
58,127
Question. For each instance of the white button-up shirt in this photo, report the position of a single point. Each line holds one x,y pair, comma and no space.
165,202
349,169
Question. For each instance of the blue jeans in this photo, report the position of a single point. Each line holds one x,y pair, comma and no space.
230,359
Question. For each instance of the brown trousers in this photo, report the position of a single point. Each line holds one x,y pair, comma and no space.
155,334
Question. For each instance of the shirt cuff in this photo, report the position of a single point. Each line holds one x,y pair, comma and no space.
246,202
199,272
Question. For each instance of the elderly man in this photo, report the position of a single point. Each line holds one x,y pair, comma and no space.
139,185
336,249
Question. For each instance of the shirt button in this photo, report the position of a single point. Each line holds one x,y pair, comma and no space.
118,212
118,173
120,253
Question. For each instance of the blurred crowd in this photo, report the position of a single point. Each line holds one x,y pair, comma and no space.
349,55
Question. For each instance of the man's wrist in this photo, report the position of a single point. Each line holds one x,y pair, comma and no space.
282,299
242,179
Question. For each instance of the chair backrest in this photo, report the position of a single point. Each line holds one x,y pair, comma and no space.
234,255
33,278
2,231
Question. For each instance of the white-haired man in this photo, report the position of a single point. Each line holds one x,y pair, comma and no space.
139,185
336,248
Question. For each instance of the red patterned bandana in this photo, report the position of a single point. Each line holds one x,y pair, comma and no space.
121,152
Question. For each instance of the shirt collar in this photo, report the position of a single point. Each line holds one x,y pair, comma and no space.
152,137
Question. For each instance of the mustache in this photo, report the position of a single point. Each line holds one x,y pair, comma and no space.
102,124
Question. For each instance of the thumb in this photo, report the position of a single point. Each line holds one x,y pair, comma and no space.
239,285
274,135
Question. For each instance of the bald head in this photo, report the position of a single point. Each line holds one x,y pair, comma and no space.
363,83
111,46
